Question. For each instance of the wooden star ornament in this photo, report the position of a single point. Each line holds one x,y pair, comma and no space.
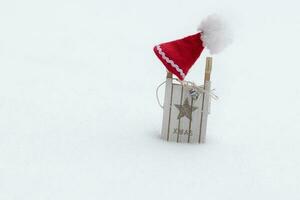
185,110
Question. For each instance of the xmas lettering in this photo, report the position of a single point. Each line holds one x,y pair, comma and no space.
182,132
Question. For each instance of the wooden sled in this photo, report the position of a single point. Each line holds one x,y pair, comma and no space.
184,117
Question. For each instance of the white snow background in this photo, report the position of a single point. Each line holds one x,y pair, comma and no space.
79,117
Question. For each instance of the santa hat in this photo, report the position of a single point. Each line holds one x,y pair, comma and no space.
178,56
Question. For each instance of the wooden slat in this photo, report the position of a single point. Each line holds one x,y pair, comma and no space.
196,120
205,100
174,122
167,107
204,114
184,121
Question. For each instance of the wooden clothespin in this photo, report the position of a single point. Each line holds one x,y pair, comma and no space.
169,75
208,67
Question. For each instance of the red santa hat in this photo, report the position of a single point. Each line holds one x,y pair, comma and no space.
178,56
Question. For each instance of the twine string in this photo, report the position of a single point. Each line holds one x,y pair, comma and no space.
188,85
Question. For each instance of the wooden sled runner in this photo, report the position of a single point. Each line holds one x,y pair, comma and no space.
185,115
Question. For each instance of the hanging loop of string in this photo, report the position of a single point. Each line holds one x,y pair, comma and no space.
157,98
189,85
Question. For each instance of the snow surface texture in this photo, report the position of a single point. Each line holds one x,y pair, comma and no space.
78,113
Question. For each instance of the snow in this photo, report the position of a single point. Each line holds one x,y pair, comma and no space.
79,117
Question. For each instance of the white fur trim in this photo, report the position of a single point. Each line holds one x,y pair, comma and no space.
214,34
171,62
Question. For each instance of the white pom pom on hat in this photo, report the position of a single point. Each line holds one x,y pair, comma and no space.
215,35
